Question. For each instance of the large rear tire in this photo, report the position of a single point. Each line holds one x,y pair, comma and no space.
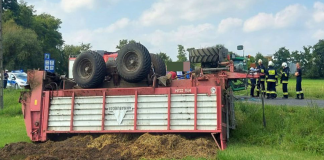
89,69
158,65
208,55
133,62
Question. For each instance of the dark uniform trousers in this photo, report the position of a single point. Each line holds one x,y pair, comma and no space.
253,83
299,90
284,81
285,89
261,87
271,80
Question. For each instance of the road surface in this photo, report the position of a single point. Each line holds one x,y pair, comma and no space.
280,101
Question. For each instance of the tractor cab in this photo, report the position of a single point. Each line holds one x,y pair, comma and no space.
240,63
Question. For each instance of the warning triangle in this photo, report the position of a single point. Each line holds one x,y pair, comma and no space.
119,114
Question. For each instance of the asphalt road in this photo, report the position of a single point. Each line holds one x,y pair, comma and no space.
279,101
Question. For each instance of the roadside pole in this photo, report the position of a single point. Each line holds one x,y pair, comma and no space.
1,59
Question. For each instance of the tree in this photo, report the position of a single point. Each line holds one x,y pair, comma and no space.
182,56
44,25
282,55
264,60
250,61
164,57
21,47
123,42
317,68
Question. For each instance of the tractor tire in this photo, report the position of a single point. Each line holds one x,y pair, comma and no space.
133,62
111,67
207,55
89,69
158,65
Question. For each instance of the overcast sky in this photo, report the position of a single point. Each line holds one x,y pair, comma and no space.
260,25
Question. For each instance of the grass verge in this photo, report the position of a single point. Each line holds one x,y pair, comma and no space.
12,130
291,133
12,126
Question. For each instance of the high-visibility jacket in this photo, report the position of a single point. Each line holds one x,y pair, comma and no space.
262,69
271,75
285,75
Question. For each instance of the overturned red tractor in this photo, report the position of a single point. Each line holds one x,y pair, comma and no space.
133,95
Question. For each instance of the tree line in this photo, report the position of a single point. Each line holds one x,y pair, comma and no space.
27,36
311,59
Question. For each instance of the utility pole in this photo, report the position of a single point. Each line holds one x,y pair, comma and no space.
1,59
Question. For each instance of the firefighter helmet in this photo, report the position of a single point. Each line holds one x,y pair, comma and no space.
260,61
284,64
270,63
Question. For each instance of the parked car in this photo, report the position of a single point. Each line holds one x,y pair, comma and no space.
17,79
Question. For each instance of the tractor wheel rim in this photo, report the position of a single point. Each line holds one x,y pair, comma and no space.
85,70
130,61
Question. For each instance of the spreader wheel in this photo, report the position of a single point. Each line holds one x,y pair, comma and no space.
89,69
133,62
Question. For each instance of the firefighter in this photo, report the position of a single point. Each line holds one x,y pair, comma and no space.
298,74
284,80
261,80
253,82
271,77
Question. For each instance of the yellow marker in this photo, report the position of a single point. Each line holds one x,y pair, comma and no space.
35,102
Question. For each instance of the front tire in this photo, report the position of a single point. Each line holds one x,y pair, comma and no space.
133,62
89,69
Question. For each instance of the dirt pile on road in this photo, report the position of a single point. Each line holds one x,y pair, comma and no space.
114,146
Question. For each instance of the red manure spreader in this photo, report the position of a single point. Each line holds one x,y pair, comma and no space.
132,93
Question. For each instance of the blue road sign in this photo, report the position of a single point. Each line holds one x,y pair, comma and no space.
49,64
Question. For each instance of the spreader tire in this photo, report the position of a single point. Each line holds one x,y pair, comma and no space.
89,69
158,65
133,62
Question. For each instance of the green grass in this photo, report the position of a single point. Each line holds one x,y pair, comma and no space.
312,88
10,101
291,133
12,126
12,130
248,152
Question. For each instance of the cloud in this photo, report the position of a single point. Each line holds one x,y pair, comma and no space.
120,24
166,12
319,34
190,35
318,15
229,24
73,5
284,18
70,6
